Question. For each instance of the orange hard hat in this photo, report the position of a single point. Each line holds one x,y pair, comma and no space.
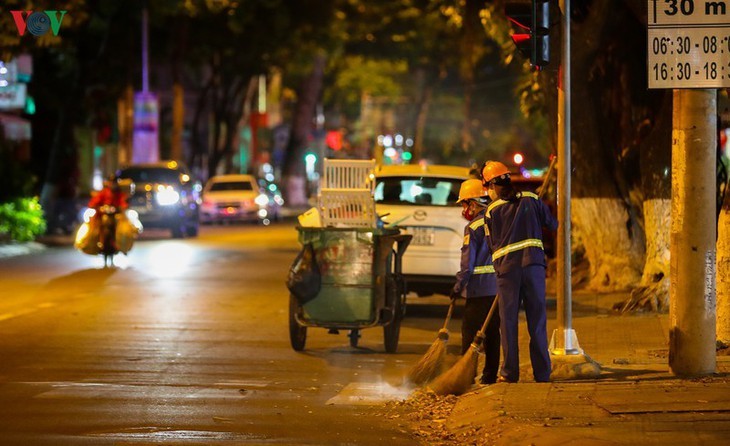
471,189
494,169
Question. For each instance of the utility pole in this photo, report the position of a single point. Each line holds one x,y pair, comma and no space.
685,54
692,234
564,340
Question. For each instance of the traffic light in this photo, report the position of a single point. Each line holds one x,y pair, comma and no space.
532,26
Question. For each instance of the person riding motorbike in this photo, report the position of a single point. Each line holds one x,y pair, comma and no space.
111,195
110,200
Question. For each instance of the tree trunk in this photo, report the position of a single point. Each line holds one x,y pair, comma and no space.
421,118
180,33
608,138
652,294
200,147
294,174
472,52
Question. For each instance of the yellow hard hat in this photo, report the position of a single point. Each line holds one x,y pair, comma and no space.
493,169
471,189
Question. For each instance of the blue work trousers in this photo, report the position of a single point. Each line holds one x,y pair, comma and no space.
526,285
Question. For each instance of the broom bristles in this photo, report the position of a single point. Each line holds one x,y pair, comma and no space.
460,377
430,364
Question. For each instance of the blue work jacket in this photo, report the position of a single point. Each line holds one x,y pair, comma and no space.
514,229
476,277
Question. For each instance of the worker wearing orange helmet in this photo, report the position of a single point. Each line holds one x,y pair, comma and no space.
514,222
476,281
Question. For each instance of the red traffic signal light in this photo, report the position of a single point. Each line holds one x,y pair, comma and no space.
532,30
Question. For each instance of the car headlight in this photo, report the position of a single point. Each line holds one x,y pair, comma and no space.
262,200
167,195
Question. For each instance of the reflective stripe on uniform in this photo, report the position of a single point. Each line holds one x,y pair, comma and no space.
530,242
500,202
494,205
476,224
487,269
466,239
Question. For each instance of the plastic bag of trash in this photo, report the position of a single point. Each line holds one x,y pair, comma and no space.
87,237
126,233
304,279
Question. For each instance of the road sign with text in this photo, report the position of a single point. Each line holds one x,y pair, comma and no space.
688,43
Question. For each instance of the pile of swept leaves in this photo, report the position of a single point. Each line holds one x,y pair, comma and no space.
425,414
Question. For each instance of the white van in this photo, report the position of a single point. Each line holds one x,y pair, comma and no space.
421,201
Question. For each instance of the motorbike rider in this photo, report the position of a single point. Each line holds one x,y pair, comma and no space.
110,195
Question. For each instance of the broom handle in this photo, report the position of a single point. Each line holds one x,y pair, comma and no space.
489,316
448,315
546,180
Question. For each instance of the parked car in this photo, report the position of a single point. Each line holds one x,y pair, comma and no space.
421,201
228,198
164,195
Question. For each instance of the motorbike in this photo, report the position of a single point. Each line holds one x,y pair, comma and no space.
108,233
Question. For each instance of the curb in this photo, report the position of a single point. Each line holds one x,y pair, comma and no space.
19,249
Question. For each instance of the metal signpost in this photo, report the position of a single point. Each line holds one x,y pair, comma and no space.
689,51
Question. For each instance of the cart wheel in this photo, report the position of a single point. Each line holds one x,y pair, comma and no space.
354,336
391,332
297,333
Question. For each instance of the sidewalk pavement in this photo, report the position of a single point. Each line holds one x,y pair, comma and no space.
635,400
19,249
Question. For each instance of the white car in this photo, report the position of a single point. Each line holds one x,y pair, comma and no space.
421,201
234,198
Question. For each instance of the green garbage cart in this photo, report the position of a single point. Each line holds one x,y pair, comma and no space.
362,284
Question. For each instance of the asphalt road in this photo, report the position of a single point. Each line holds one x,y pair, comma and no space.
186,342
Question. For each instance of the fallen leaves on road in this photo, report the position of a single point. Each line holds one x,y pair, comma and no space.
425,414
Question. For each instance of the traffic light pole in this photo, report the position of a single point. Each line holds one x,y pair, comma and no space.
564,340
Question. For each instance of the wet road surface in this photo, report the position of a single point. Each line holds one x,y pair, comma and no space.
186,342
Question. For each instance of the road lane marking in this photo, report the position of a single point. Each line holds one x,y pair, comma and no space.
93,390
27,311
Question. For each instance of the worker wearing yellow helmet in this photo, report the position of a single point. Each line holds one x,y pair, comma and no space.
514,222
476,281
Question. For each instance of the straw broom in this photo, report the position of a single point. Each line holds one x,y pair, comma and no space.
431,363
460,377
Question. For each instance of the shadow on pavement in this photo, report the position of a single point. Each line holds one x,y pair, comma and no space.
83,281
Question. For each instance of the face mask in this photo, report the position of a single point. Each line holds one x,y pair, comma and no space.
468,212
492,193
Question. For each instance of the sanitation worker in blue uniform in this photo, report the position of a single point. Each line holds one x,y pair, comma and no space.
514,222
476,280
